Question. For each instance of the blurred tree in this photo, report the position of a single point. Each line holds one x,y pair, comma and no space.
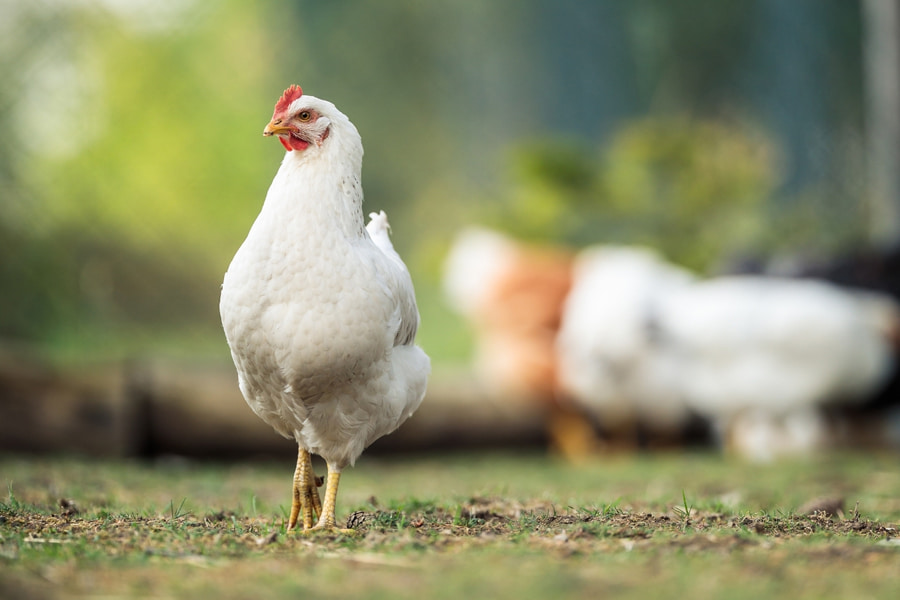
131,175
694,189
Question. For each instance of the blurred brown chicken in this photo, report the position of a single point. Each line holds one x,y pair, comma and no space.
513,294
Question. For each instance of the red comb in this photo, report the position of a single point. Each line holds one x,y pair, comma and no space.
289,95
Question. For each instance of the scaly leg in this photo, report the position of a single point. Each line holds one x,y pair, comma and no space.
306,496
326,517
314,483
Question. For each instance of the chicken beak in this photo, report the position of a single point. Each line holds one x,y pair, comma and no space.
277,127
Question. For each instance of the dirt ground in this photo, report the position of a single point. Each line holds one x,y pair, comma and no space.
75,529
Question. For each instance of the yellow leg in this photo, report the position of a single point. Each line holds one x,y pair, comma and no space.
312,486
572,435
327,519
305,496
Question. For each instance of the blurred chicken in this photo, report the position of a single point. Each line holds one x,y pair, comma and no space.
610,360
875,422
646,349
642,342
512,295
762,356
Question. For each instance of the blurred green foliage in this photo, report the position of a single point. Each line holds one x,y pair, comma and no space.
695,190
131,228
701,191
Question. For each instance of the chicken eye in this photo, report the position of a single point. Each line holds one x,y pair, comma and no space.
304,115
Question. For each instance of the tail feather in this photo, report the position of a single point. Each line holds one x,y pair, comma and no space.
379,230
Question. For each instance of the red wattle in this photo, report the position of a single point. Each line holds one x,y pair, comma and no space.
293,143
297,143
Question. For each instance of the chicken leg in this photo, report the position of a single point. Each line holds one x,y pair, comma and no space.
327,521
306,496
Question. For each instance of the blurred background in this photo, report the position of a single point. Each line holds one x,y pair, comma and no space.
754,136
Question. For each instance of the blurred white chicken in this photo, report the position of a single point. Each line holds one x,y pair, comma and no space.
610,361
318,310
761,356
758,356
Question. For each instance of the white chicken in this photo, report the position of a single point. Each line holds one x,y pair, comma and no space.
757,356
760,356
319,311
609,361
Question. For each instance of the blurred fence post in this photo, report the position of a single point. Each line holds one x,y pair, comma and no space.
881,55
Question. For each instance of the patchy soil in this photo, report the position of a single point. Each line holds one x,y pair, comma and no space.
654,527
480,522
487,520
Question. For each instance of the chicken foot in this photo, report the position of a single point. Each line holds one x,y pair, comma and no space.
327,521
306,495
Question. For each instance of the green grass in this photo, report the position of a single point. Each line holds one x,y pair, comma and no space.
474,525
